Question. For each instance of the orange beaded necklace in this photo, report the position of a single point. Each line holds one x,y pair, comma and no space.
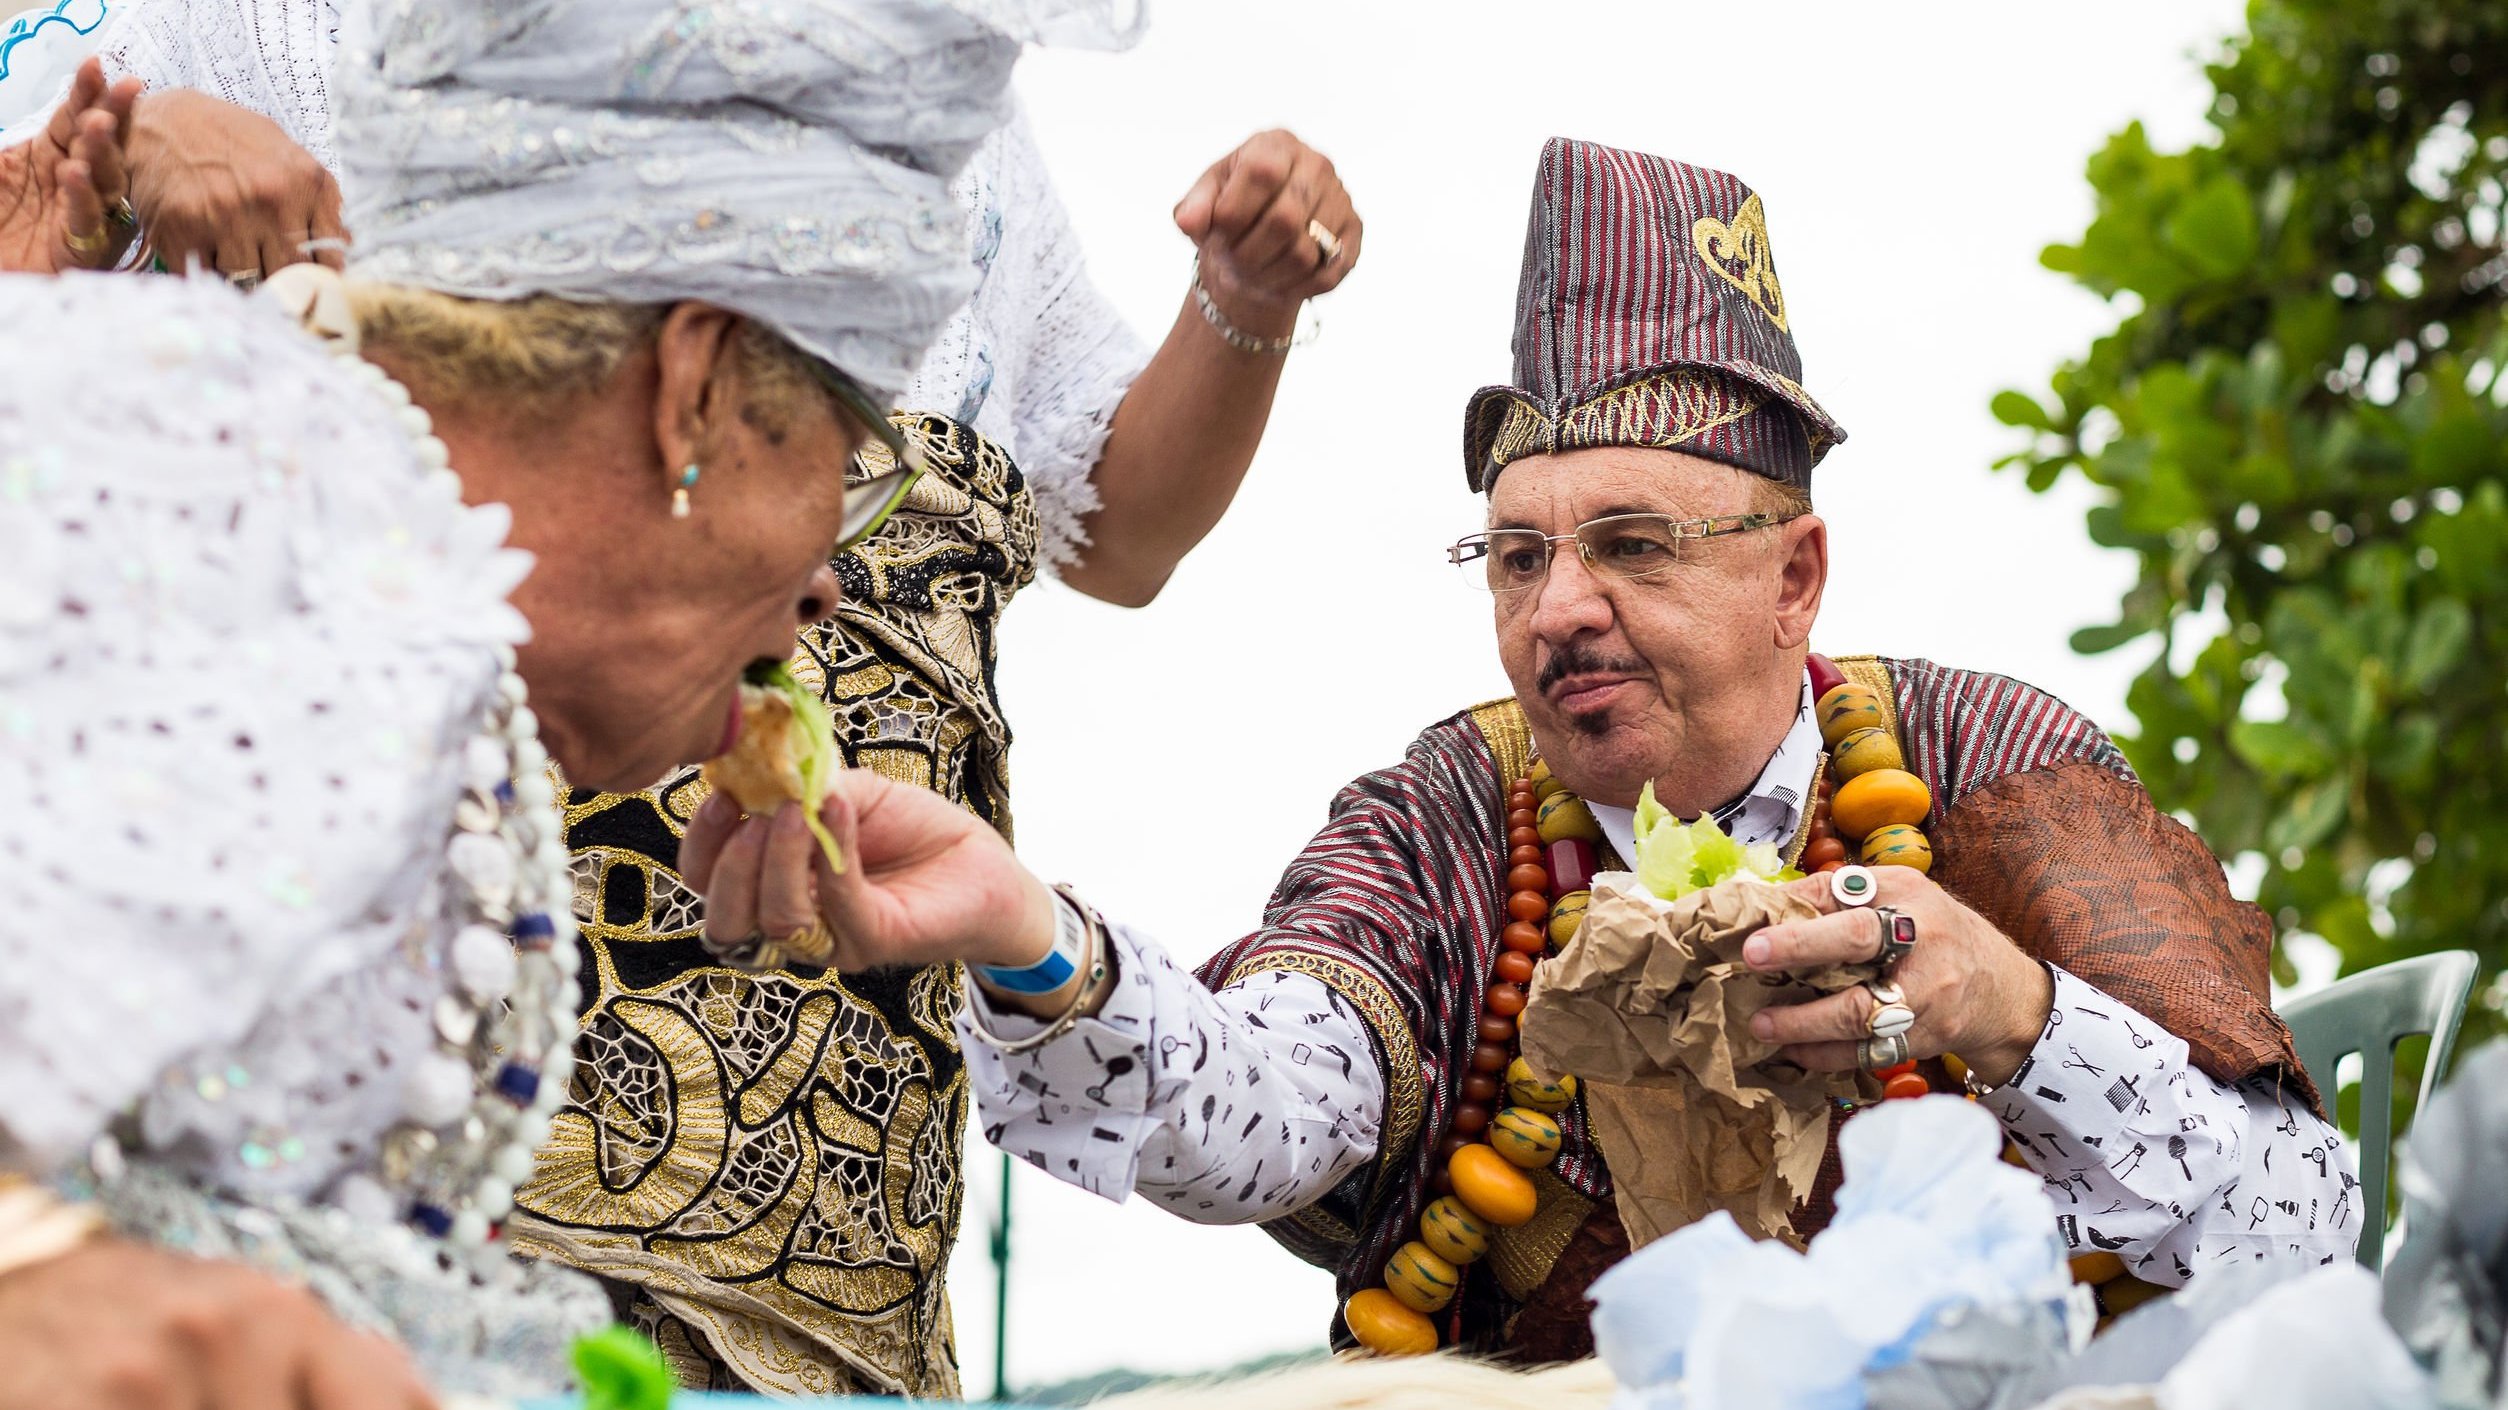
1482,1179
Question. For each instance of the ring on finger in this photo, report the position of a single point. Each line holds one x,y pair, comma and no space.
85,246
1324,239
245,280
1874,1054
1854,885
1898,936
1891,1017
120,216
812,944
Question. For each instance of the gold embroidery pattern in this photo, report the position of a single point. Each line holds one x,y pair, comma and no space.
1665,410
773,1159
1408,1099
1739,254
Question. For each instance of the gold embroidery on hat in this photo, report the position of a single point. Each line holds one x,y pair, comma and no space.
1663,412
1739,252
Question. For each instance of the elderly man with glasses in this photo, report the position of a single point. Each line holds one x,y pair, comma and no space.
1343,1074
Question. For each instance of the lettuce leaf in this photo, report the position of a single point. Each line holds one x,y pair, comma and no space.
1675,858
820,758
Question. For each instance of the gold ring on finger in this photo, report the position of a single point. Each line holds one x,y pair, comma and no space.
120,215
1891,1017
811,945
1324,239
86,246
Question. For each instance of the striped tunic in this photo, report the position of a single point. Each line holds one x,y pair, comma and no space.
1398,905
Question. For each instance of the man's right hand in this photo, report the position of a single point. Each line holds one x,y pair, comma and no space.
224,185
120,1326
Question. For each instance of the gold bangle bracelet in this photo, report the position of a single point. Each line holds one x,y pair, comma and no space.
36,1225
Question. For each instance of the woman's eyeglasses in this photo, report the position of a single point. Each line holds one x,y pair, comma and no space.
868,505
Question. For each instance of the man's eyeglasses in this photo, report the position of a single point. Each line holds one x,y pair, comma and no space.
868,505
1628,546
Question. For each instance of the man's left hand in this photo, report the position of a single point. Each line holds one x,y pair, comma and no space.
1974,993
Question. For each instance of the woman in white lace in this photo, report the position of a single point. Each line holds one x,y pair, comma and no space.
286,980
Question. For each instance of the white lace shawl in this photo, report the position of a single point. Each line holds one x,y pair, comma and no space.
244,635
1036,360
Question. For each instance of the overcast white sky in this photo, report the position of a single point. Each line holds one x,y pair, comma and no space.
1913,160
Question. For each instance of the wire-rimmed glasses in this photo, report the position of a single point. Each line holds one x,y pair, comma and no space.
1627,546
868,505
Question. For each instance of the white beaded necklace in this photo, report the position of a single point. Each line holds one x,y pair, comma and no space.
478,1108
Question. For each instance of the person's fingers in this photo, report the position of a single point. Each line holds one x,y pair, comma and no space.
1844,937
359,1372
1334,214
102,151
786,896
85,87
122,100
1845,1016
329,235
78,216
251,1360
1823,1057
707,831
1275,250
1195,211
1256,176
731,902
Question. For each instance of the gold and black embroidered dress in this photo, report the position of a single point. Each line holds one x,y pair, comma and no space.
766,1167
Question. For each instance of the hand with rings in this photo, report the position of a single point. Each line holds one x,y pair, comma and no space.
73,210
1958,985
925,882
1275,228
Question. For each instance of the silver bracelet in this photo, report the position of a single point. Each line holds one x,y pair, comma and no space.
1234,336
1094,969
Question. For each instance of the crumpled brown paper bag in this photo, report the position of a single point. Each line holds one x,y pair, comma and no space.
1649,1006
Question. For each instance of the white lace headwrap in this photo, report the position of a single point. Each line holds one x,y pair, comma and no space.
787,159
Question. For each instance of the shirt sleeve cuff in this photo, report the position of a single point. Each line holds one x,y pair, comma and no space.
2096,1067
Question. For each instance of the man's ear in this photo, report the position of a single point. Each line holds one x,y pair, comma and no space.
1802,577
690,396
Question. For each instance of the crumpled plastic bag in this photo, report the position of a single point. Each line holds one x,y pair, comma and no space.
1932,1227
2447,1289
1649,1008
2312,1343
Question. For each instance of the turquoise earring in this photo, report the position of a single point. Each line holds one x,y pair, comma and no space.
679,493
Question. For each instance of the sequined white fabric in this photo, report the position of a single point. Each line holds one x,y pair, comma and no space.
247,636
788,159
1037,359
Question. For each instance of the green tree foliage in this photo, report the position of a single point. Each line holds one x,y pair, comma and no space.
2297,427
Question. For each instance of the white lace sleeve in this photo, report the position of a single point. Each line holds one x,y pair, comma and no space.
270,56
1038,360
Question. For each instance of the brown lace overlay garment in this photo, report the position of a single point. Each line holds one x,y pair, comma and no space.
2040,827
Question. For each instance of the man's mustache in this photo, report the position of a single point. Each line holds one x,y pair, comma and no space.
1576,660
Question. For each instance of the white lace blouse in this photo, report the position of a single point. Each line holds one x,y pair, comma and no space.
1037,361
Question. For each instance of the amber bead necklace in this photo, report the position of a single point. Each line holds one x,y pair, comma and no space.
1482,1177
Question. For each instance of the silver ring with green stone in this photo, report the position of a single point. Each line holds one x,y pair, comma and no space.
1854,885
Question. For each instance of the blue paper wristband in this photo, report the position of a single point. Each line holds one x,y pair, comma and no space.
1055,970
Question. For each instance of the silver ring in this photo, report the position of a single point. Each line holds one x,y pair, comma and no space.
1898,936
1854,885
120,215
1324,239
245,280
1874,1054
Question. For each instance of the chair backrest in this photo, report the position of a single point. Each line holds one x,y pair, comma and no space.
2369,1013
